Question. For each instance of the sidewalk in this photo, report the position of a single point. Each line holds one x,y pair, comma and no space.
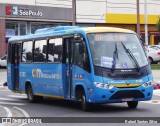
3,76
156,76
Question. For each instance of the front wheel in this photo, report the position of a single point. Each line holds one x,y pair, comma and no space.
85,106
150,60
132,104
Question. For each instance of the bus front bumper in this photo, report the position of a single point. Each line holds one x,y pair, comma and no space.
120,95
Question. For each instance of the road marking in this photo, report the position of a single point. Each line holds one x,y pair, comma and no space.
9,99
152,102
18,96
9,113
23,111
5,88
7,103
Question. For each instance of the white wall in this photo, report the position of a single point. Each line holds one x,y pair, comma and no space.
129,6
91,11
121,6
52,3
26,2
55,3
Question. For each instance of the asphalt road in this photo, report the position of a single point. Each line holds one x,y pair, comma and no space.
17,105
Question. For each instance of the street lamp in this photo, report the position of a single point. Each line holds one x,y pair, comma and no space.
146,22
138,19
73,12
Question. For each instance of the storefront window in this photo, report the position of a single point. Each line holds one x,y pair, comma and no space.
22,28
11,28
85,25
14,28
38,25
157,40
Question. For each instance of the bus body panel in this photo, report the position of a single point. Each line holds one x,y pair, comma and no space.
10,75
83,78
44,78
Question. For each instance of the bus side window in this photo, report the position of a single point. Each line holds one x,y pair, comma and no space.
81,59
27,52
55,50
40,51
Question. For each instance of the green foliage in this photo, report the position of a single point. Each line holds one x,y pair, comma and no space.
158,24
155,66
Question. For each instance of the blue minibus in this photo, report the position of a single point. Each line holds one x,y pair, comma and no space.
90,65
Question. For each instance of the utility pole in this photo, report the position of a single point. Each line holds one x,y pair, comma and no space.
146,22
138,19
73,12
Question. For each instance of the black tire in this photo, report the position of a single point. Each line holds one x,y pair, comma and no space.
132,104
155,62
31,97
150,60
85,105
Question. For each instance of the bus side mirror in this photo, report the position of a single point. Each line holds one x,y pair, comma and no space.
78,39
81,48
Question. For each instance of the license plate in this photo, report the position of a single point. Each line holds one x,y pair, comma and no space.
127,99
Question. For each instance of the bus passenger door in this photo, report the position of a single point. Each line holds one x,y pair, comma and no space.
68,51
16,54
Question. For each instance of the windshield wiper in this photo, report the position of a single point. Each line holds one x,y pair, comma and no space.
131,56
115,55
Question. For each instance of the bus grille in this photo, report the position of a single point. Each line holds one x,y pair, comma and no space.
124,75
127,94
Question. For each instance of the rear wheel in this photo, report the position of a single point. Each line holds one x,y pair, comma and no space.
132,104
31,97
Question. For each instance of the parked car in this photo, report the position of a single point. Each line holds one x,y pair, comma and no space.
3,61
153,54
155,46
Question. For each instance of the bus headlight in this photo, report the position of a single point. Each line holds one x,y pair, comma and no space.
147,84
102,85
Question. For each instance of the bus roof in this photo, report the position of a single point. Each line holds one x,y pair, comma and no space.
64,30
106,29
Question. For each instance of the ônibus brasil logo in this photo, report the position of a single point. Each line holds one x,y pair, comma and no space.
37,73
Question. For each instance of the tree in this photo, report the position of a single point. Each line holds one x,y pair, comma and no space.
158,24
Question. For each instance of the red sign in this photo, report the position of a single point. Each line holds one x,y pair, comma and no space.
8,10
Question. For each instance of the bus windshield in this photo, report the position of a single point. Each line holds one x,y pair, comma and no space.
117,50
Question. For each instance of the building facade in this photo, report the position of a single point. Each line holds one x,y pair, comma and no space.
121,13
21,17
